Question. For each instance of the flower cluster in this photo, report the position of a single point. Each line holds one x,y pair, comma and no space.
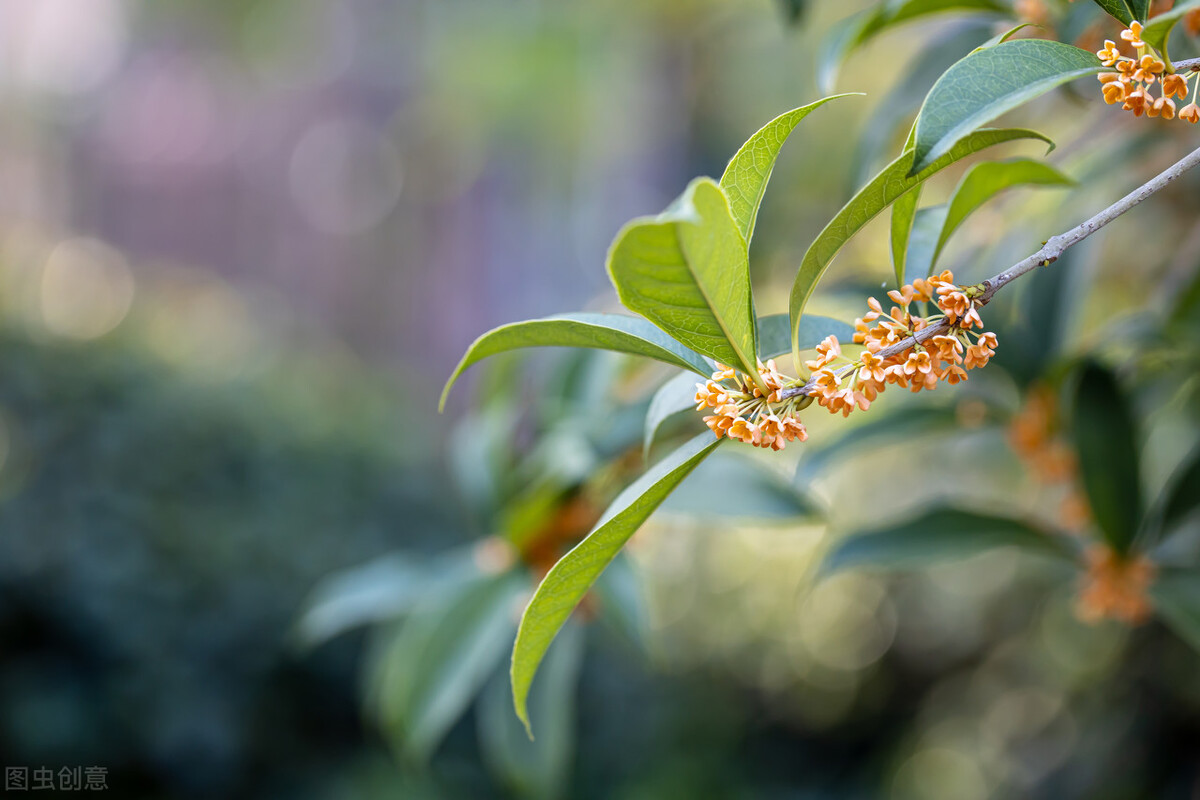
1133,82
843,385
1115,586
1035,437
742,411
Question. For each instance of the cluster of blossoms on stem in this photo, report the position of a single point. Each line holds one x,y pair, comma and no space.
842,384
743,412
1116,586
1133,82
1035,436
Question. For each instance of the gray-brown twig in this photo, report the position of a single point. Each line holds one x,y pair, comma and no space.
1054,247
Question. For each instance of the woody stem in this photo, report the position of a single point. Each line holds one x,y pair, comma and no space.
1054,247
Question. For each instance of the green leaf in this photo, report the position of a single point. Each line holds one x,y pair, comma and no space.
883,190
736,486
1179,500
774,336
688,272
604,331
936,224
535,769
923,241
439,659
1008,34
1105,436
1158,30
1126,10
942,534
1176,595
989,82
984,181
673,397
568,580
847,35
381,589
904,214
745,179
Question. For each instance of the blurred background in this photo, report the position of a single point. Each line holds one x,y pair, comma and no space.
242,244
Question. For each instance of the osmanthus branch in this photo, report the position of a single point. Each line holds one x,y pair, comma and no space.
1188,65
1050,252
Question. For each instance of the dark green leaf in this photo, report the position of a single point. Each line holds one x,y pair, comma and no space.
1105,437
1176,595
988,83
688,272
604,331
1126,10
745,179
567,582
1158,30
883,190
1180,498
946,533
440,658
535,769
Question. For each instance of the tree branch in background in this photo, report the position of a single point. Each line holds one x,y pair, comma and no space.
1050,252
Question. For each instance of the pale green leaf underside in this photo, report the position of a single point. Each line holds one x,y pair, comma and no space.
923,242
687,271
989,82
566,583
1158,30
883,190
745,179
603,331
679,393
939,535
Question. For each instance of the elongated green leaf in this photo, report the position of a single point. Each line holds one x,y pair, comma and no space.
673,397
386,587
904,214
923,241
566,583
883,190
1126,10
851,33
1177,502
984,181
989,82
535,769
731,486
1158,30
440,659
1176,595
946,533
745,179
603,331
1105,436
688,272
774,337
